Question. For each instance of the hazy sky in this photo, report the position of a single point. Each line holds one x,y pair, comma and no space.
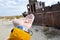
17,7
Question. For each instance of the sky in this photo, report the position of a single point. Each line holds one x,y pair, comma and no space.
17,7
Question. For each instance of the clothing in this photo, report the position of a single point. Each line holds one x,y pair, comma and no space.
22,28
18,34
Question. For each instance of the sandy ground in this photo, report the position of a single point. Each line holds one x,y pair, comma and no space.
5,31
6,27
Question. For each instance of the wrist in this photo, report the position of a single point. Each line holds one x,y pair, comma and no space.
23,28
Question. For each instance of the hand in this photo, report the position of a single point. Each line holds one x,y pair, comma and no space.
24,21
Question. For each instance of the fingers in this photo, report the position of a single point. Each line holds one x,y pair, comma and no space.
31,17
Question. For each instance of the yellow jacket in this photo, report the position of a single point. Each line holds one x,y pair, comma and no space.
19,34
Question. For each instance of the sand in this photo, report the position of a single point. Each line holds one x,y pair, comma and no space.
38,34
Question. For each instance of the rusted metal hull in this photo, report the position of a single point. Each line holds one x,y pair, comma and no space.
51,19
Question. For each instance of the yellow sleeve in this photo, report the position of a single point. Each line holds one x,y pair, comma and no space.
19,34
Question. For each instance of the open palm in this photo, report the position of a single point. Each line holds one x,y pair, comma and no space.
24,21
